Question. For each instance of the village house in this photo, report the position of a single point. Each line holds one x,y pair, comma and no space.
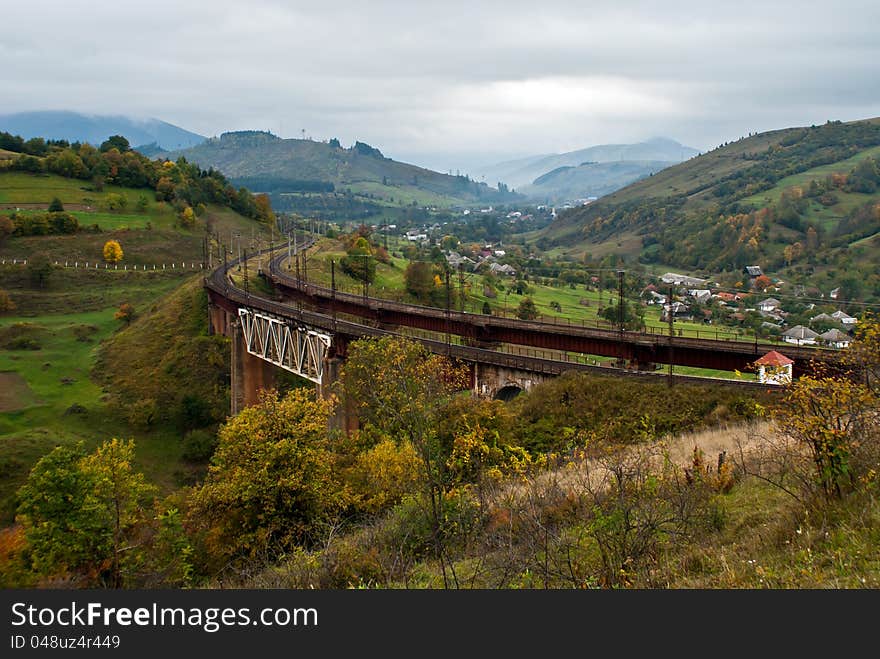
456,260
800,335
834,338
680,311
770,304
700,295
682,280
415,235
844,318
752,272
774,368
728,297
498,269
822,318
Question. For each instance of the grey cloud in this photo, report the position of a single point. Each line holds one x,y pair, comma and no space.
450,82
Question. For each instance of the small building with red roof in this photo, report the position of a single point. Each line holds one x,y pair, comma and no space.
774,368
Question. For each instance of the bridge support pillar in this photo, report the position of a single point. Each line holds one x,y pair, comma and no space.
218,320
344,416
250,374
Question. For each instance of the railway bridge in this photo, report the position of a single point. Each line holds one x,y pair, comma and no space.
271,334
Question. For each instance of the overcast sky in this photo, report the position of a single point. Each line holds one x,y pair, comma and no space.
450,84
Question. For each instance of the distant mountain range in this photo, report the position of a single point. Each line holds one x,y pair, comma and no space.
590,179
524,171
94,129
264,162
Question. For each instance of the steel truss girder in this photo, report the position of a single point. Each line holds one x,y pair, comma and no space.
300,350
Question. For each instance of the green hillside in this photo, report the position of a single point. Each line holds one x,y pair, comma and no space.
59,383
799,202
266,163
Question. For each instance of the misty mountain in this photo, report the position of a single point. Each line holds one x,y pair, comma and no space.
94,129
524,171
594,179
264,162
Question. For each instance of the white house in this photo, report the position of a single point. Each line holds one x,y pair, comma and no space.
834,338
416,235
700,295
682,280
844,318
770,304
774,368
800,335
498,269
822,318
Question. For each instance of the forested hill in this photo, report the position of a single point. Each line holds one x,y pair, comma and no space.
114,162
266,163
813,190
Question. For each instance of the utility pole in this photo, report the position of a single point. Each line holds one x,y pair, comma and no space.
333,291
460,288
225,272
448,310
670,320
620,313
247,289
366,278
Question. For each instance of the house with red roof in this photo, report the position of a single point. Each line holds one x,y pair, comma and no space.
774,368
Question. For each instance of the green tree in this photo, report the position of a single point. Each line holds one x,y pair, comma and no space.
633,315
115,202
56,206
527,309
272,481
39,270
419,281
486,308
78,511
117,497
59,516
117,142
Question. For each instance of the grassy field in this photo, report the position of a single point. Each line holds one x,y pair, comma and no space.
579,306
61,404
51,343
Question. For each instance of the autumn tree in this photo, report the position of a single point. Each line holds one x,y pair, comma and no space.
125,313
264,208
6,303
833,420
762,282
863,355
271,483
397,389
187,218
112,251
6,228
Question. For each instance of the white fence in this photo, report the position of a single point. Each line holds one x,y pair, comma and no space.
95,265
